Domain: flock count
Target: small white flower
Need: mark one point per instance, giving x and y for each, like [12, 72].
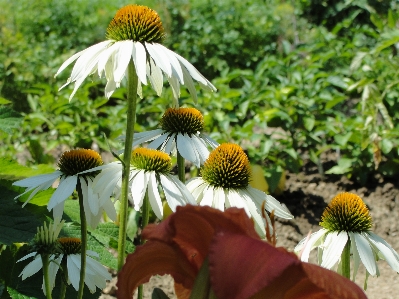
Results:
[346, 219]
[135, 34]
[181, 128]
[225, 183]
[149, 168]
[75, 167]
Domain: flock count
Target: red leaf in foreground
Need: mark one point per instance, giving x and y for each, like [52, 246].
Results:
[242, 267]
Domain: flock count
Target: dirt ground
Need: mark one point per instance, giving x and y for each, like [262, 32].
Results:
[306, 196]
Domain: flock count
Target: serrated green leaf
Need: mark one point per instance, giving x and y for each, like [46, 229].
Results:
[9, 119]
[17, 224]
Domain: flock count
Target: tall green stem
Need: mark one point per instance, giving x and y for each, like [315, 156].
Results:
[64, 278]
[131, 120]
[45, 261]
[346, 260]
[83, 229]
[181, 168]
[145, 216]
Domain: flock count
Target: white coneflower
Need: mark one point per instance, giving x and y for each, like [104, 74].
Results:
[346, 222]
[181, 129]
[135, 34]
[148, 168]
[225, 183]
[74, 168]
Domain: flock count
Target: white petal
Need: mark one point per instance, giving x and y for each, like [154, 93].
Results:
[388, 253]
[104, 58]
[159, 141]
[255, 214]
[207, 198]
[189, 84]
[64, 190]
[142, 137]
[109, 208]
[334, 244]
[170, 144]
[27, 256]
[308, 245]
[196, 186]
[122, 59]
[32, 268]
[91, 198]
[154, 73]
[272, 204]
[38, 179]
[209, 140]
[138, 188]
[161, 59]
[188, 197]
[140, 59]
[58, 210]
[365, 252]
[201, 148]
[219, 198]
[73, 265]
[174, 83]
[186, 149]
[355, 256]
[153, 196]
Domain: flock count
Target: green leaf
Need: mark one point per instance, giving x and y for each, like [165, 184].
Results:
[17, 224]
[4, 101]
[344, 166]
[11, 170]
[342, 139]
[337, 81]
[16, 295]
[386, 146]
[309, 122]
[9, 119]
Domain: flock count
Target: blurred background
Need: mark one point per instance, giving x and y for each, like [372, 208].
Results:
[299, 82]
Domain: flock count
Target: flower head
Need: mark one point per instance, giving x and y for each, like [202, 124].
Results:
[75, 168]
[346, 220]
[225, 183]
[95, 273]
[181, 129]
[148, 168]
[135, 35]
[202, 246]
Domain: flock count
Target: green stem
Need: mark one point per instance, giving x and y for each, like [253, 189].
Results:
[83, 229]
[181, 168]
[131, 120]
[45, 261]
[346, 259]
[145, 216]
[64, 279]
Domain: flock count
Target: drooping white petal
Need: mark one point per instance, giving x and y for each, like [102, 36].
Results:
[104, 59]
[109, 208]
[218, 199]
[64, 190]
[88, 196]
[207, 197]
[334, 244]
[174, 83]
[170, 144]
[160, 58]
[139, 59]
[189, 84]
[153, 196]
[387, 252]
[255, 214]
[186, 149]
[308, 245]
[38, 179]
[142, 137]
[154, 73]
[200, 146]
[365, 252]
[272, 204]
[73, 265]
[355, 255]
[209, 140]
[138, 188]
[159, 141]
[122, 59]
[33, 267]
[183, 189]
[192, 71]
[196, 186]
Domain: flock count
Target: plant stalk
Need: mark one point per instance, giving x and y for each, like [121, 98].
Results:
[181, 168]
[45, 261]
[131, 120]
[145, 216]
[346, 260]
[83, 229]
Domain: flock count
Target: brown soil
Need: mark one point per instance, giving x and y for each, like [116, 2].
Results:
[306, 196]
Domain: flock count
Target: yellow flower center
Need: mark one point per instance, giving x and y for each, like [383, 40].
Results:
[138, 23]
[182, 120]
[228, 167]
[70, 245]
[78, 160]
[346, 212]
[151, 160]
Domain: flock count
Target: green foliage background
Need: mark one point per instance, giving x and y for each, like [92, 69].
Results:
[297, 81]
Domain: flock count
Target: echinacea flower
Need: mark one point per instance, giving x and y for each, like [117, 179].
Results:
[149, 168]
[135, 35]
[214, 254]
[44, 243]
[225, 183]
[96, 274]
[181, 129]
[74, 172]
[346, 222]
